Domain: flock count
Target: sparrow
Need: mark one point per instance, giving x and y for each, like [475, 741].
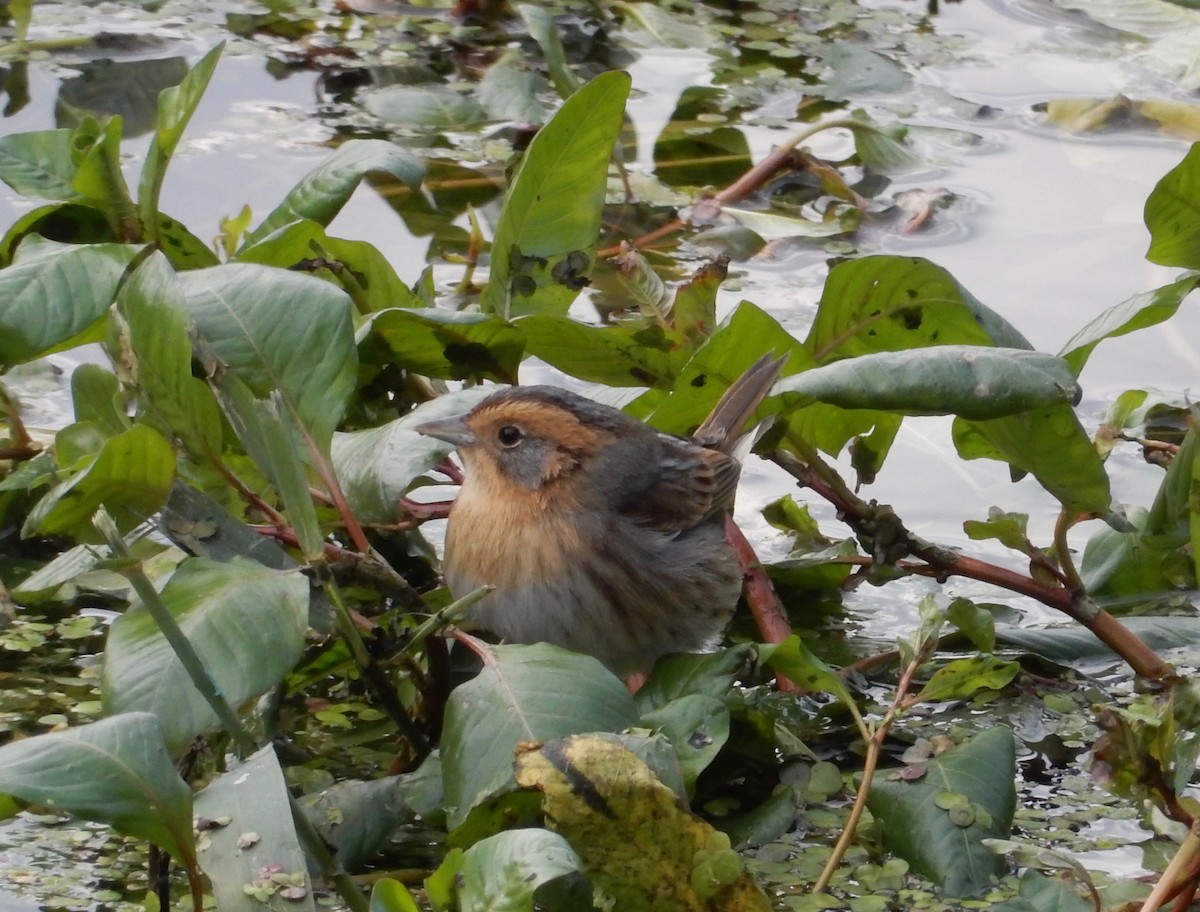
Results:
[599, 533]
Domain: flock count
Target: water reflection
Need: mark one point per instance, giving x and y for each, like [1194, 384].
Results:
[125, 88]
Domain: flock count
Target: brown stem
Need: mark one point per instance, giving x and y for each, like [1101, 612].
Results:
[19, 453]
[760, 595]
[870, 765]
[781, 157]
[942, 563]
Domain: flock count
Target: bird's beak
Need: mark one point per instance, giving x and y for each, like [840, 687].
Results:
[452, 430]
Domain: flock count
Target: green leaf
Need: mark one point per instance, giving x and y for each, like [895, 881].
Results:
[101, 182]
[618, 355]
[130, 477]
[883, 148]
[355, 266]
[1048, 443]
[39, 165]
[115, 771]
[893, 303]
[794, 659]
[96, 396]
[1052, 894]
[322, 192]
[974, 382]
[666, 27]
[1010, 529]
[450, 345]
[697, 727]
[267, 608]
[55, 294]
[504, 871]
[267, 429]
[681, 674]
[548, 227]
[975, 621]
[541, 27]
[388, 895]
[279, 330]
[425, 107]
[1138, 312]
[175, 108]
[1173, 215]
[250, 851]
[510, 88]
[524, 693]
[358, 818]
[377, 466]
[1077, 644]
[741, 339]
[156, 333]
[982, 771]
[963, 678]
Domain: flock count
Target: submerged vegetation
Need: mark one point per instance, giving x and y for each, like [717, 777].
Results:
[221, 627]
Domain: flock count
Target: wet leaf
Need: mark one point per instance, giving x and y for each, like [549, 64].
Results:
[794, 659]
[697, 727]
[256, 855]
[681, 674]
[636, 842]
[976, 382]
[357, 818]
[267, 608]
[963, 678]
[510, 88]
[855, 70]
[142, 795]
[1076, 644]
[425, 107]
[552, 208]
[524, 694]
[983, 770]
[267, 428]
[893, 303]
[742, 337]
[543, 30]
[1010, 529]
[975, 621]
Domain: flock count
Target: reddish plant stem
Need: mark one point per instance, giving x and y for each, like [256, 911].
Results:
[778, 159]
[20, 453]
[760, 594]
[942, 563]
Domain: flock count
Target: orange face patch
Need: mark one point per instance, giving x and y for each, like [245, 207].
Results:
[538, 418]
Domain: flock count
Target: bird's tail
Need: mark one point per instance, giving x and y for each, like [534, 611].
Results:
[724, 426]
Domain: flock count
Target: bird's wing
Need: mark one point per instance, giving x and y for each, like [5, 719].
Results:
[695, 482]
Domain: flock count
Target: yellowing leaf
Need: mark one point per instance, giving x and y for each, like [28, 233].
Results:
[637, 842]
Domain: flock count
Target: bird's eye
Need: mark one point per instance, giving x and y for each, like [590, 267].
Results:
[509, 435]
